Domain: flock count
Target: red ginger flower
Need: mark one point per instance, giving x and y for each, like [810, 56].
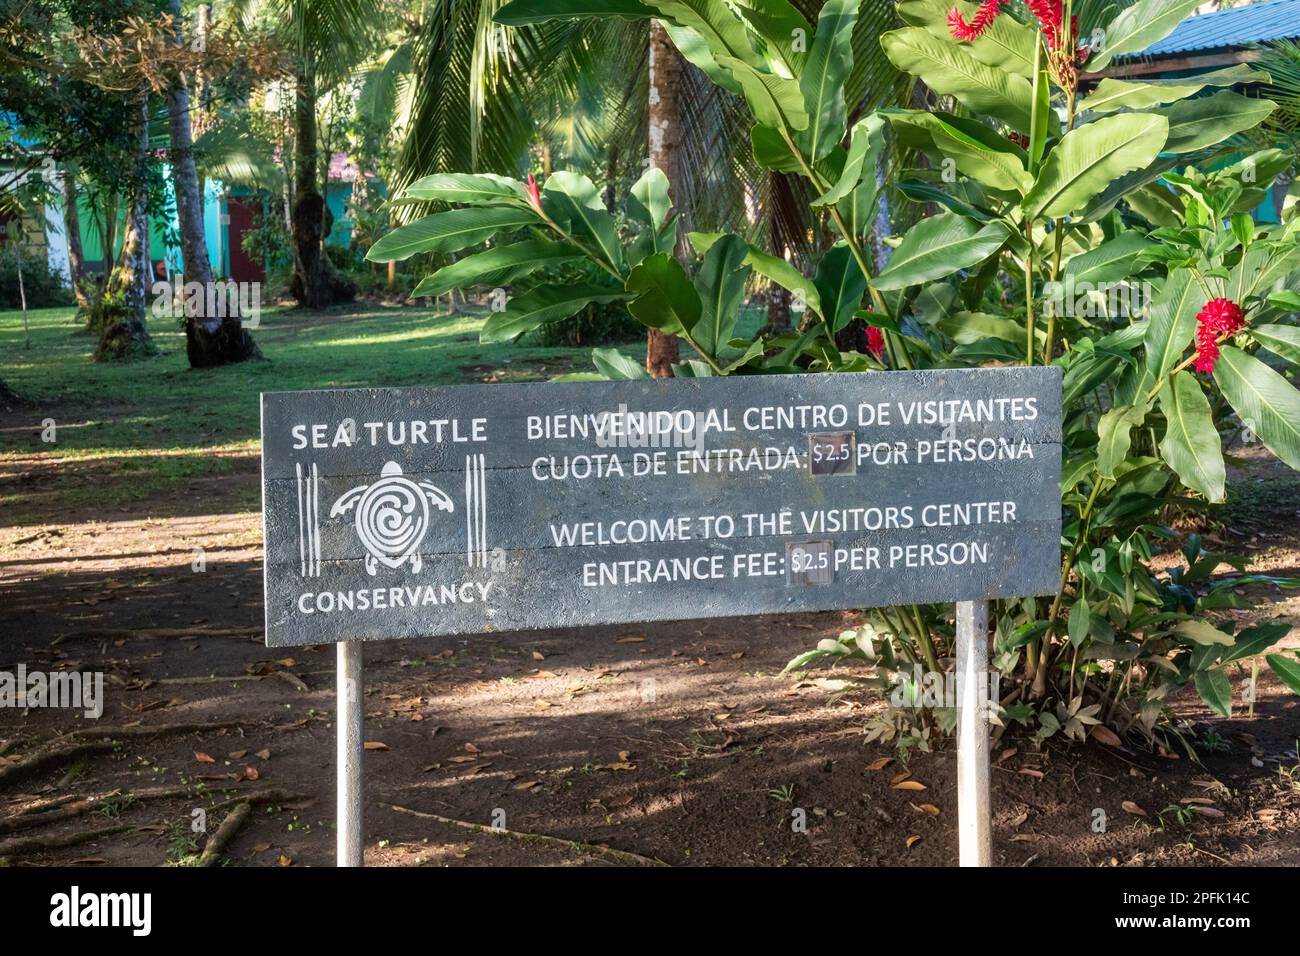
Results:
[1219, 317]
[534, 196]
[875, 341]
[961, 30]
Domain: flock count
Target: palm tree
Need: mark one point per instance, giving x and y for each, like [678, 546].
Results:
[327, 40]
[210, 340]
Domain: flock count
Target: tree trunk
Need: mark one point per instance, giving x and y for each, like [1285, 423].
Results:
[778, 299]
[72, 226]
[665, 134]
[315, 284]
[214, 329]
[123, 333]
[611, 177]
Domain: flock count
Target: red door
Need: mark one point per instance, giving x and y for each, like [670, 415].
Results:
[242, 214]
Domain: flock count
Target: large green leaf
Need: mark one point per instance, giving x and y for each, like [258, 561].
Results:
[1265, 402]
[1139, 26]
[1173, 320]
[649, 200]
[822, 79]
[665, 298]
[948, 68]
[1208, 120]
[784, 32]
[1090, 158]
[1281, 340]
[939, 246]
[1286, 669]
[1109, 262]
[1255, 640]
[775, 100]
[1114, 436]
[840, 285]
[696, 51]
[715, 23]
[1191, 444]
[616, 366]
[720, 283]
[450, 231]
[771, 150]
[572, 198]
[484, 189]
[548, 303]
[1215, 690]
[770, 267]
[1007, 44]
[978, 151]
[520, 13]
[1202, 632]
[1112, 94]
[497, 266]
[864, 151]
[966, 328]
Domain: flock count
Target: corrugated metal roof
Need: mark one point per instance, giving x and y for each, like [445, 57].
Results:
[1238, 26]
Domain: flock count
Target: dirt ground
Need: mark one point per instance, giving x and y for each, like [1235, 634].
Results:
[678, 742]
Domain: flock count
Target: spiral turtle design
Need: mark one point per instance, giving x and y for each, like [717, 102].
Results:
[392, 516]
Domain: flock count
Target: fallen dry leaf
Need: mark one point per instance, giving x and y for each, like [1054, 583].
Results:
[912, 840]
[375, 745]
[201, 757]
[880, 763]
[926, 808]
[909, 785]
[630, 639]
[264, 754]
[538, 656]
[1128, 806]
[527, 784]
[237, 754]
[1104, 735]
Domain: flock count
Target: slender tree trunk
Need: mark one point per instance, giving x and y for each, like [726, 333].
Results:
[665, 134]
[315, 284]
[214, 329]
[611, 177]
[22, 294]
[778, 299]
[123, 333]
[72, 226]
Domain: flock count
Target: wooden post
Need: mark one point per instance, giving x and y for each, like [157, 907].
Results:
[973, 825]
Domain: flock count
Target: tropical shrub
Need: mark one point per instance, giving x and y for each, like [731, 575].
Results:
[1106, 232]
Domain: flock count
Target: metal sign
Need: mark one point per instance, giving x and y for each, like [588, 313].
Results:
[392, 513]
[395, 513]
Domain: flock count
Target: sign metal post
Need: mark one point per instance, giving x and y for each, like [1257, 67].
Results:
[350, 719]
[974, 841]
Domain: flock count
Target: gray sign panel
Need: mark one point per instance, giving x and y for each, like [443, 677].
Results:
[407, 512]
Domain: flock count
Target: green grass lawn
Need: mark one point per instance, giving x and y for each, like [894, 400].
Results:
[126, 432]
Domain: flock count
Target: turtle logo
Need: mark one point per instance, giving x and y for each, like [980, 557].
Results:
[392, 517]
